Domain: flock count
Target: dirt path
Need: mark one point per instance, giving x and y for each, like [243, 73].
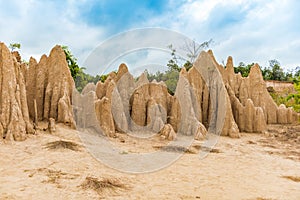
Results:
[253, 167]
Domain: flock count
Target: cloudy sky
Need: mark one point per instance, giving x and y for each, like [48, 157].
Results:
[248, 30]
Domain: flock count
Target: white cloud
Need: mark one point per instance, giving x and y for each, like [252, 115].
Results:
[249, 30]
[39, 26]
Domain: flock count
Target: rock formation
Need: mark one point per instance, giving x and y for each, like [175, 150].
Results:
[168, 132]
[14, 118]
[189, 120]
[51, 125]
[246, 113]
[51, 84]
[38, 92]
[89, 87]
[208, 99]
[212, 93]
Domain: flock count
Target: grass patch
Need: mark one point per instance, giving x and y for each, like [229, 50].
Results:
[100, 186]
[293, 178]
[62, 144]
[190, 150]
[53, 176]
[175, 149]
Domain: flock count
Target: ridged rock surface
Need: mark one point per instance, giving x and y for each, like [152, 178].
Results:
[208, 98]
[50, 83]
[14, 117]
[242, 89]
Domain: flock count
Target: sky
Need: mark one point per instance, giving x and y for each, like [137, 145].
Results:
[248, 30]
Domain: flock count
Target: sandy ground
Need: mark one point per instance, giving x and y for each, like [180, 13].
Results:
[253, 167]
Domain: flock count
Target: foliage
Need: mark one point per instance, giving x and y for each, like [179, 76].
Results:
[243, 69]
[173, 62]
[288, 99]
[273, 72]
[192, 50]
[293, 100]
[170, 76]
[72, 62]
[14, 46]
[82, 79]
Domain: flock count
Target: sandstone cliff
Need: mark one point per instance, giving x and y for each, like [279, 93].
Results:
[208, 98]
[14, 117]
[48, 83]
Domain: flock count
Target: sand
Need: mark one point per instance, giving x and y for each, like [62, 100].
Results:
[265, 166]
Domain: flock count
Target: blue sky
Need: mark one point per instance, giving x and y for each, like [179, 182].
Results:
[248, 30]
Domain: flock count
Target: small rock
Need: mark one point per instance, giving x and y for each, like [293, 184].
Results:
[51, 125]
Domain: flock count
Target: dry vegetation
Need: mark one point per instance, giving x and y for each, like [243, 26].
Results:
[103, 185]
[53, 176]
[293, 178]
[62, 144]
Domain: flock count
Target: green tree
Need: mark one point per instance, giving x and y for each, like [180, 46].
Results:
[14, 46]
[297, 71]
[243, 69]
[80, 77]
[275, 71]
[266, 73]
[293, 100]
[171, 75]
[72, 62]
[173, 62]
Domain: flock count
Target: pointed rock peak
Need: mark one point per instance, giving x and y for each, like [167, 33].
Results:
[154, 81]
[255, 72]
[32, 61]
[112, 75]
[3, 46]
[121, 72]
[255, 67]
[142, 79]
[58, 56]
[122, 69]
[43, 58]
[205, 62]
[210, 52]
[183, 71]
[56, 50]
[4, 49]
[17, 55]
[229, 64]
